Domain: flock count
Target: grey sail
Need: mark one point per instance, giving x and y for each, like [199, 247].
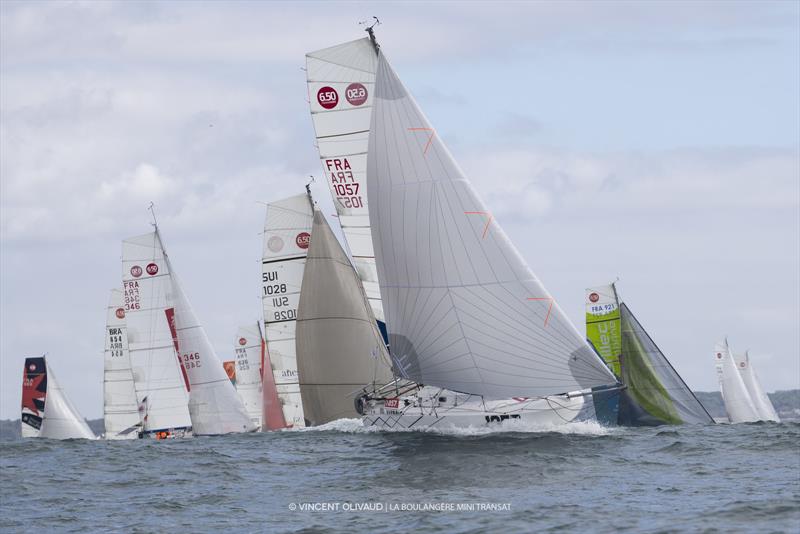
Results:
[656, 394]
[463, 309]
[339, 347]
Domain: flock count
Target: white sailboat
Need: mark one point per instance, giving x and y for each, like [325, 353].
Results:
[249, 347]
[287, 235]
[737, 400]
[120, 407]
[160, 381]
[46, 410]
[339, 347]
[215, 407]
[762, 404]
[466, 316]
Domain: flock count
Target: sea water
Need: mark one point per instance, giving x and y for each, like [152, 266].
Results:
[579, 477]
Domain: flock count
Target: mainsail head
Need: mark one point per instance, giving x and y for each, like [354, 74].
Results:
[464, 310]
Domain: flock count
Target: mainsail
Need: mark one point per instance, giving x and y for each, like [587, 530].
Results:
[463, 309]
[46, 410]
[341, 86]
[734, 393]
[760, 400]
[655, 393]
[214, 406]
[120, 407]
[160, 381]
[249, 347]
[339, 347]
[287, 235]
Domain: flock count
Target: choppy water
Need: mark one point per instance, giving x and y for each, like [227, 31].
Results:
[581, 477]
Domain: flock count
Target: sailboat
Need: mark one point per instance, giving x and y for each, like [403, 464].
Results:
[120, 408]
[249, 347]
[655, 393]
[46, 410]
[287, 236]
[161, 383]
[339, 346]
[762, 404]
[737, 400]
[465, 315]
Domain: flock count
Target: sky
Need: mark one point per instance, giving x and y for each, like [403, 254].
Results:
[654, 142]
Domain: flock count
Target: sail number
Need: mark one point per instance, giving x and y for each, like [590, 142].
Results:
[115, 346]
[276, 291]
[345, 186]
[191, 360]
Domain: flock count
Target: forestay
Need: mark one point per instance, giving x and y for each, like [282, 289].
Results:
[463, 309]
[734, 393]
[341, 86]
[46, 410]
[160, 382]
[760, 400]
[339, 347]
[214, 406]
[120, 407]
[287, 235]
[249, 349]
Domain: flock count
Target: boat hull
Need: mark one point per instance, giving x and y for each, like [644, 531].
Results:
[436, 408]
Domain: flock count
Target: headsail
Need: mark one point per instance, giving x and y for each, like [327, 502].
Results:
[734, 393]
[760, 400]
[249, 348]
[46, 410]
[341, 86]
[287, 235]
[120, 407]
[160, 381]
[214, 406]
[464, 310]
[339, 347]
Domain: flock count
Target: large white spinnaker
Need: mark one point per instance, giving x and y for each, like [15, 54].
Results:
[341, 86]
[214, 406]
[249, 347]
[160, 381]
[120, 407]
[760, 400]
[287, 235]
[734, 393]
[46, 410]
[463, 309]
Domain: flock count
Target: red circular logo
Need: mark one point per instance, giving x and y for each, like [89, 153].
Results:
[32, 367]
[151, 268]
[120, 313]
[303, 239]
[719, 355]
[356, 94]
[328, 97]
[742, 365]
[136, 271]
[242, 341]
[594, 297]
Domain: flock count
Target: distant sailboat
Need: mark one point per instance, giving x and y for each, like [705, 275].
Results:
[46, 410]
[655, 393]
[287, 235]
[249, 346]
[339, 346]
[737, 400]
[161, 382]
[465, 314]
[120, 407]
[762, 404]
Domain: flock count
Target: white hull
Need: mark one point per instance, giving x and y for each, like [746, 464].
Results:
[434, 407]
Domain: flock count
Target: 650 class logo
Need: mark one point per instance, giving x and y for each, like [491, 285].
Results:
[303, 239]
[327, 97]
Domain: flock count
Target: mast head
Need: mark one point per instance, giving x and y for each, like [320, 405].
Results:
[371, 31]
[308, 192]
